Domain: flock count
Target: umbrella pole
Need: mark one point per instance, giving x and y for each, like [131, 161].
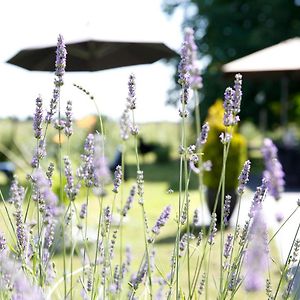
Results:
[284, 101]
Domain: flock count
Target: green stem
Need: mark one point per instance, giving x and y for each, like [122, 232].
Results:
[97, 244]
[286, 262]
[274, 235]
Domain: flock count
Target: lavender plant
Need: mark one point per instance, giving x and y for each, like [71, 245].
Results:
[104, 269]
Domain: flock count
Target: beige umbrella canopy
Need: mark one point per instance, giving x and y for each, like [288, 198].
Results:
[280, 60]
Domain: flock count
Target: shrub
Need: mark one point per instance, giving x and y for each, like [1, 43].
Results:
[213, 151]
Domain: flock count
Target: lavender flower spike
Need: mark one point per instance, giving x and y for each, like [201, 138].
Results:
[244, 177]
[38, 117]
[118, 179]
[161, 221]
[273, 169]
[131, 99]
[236, 103]
[256, 258]
[68, 129]
[196, 79]
[203, 135]
[60, 63]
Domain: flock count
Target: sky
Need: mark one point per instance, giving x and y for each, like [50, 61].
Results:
[33, 23]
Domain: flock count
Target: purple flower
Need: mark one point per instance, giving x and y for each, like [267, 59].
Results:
[140, 185]
[86, 171]
[184, 66]
[68, 129]
[203, 135]
[131, 99]
[196, 217]
[101, 167]
[213, 230]
[237, 98]
[183, 242]
[70, 188]
[232, 102]
[42, 192]
[192, 163]
[83, 211]
[3, 244]
[256, 258]
[225, 137]
[40, 153]
[244, 177]
[118, 179]
[49, 172]
[258, 198]
[162, 220]
[228, 245]
[38, 118]
[227, 209]
[273, 169]
[129, 201]
[23, 289]
[17, 197]
[125, 125]
[60, 63]
[16, 192]
[195, 80]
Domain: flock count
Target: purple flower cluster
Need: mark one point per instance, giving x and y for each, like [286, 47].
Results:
[38, 118]
[131, 99]
[49, 172]
[191, 57]
[129, 201]
[71, 188]
[213, 229]
[48, 204]
[201, 140]
[244, 177]
[118, 179]
[60, 65]
[258, 198]
[227, 209]
[162, 220]
[17, 197]
[101, 167]
[273, 169]
[3, 244]
[86, 171]
[40, 153]
[228, 245]
[68, 128]
[232, 102]
[125, 125]
[256, 257]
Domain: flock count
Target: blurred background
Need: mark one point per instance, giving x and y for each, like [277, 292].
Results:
[224, 31]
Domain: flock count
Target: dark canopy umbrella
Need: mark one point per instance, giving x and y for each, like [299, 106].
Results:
[93, 55]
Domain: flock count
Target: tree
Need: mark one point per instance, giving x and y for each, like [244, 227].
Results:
[227, 30]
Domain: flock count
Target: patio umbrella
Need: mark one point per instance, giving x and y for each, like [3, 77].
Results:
[277, 60]
[94, 55]
[280, 60]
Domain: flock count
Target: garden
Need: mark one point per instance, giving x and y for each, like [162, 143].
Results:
[90, 213]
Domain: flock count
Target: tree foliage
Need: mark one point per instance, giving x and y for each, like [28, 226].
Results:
[227, 30]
